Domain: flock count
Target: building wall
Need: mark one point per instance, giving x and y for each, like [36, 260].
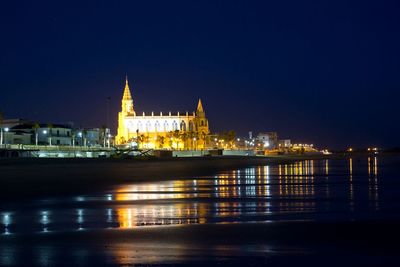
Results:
[58, 136]
[13, 138]
[157, 124]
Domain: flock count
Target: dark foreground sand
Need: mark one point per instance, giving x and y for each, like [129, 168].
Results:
[29, 177]
[268, 244]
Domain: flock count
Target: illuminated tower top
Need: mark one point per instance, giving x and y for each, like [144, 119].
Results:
[127, 101]
[127, 92]
[200, 110]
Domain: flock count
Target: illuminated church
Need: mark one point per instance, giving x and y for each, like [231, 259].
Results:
[174, 131]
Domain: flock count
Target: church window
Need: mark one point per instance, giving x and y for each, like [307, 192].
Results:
[183, 126]
[148, 126]
[166, 126]
[174, 126]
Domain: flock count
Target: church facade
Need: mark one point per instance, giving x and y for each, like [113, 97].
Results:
[161, 131]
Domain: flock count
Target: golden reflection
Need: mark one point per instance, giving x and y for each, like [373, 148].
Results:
[290, 181]
[301, 183]
[373, 188]
[167, 190]
[327, 167]
[179, 213]
[351, 184]
[369, 166]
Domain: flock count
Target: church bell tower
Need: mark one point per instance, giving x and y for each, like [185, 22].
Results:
[127, 109]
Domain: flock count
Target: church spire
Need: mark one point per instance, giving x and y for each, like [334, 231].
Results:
[127, 101]
[127, 91]
[200, 106]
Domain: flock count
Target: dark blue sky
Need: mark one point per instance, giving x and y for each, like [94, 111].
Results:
[326, 72]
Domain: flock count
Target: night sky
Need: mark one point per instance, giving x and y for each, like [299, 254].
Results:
[326, 72]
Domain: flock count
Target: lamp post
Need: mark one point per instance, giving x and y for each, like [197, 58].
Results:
[45, 132]
[5, 135]
[80, 136]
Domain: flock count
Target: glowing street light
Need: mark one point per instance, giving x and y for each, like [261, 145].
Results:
[3, 136]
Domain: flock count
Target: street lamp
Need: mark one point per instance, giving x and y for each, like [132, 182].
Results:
[80, 136]
[3, 135]
[45, 133]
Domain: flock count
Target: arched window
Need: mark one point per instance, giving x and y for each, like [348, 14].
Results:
[148, 126]
[157, 126]
[191, 126]
[183, 126]
[166, 126]
[174, 126]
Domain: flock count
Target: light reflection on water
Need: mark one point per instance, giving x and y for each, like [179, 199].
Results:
[304, 190]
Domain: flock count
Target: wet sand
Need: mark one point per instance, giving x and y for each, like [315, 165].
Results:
[200, 212]
[46, 177]
[247, 244]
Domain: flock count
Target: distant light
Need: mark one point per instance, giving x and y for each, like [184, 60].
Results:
[350, 149]
[80, 134]
[6, 129]
[6, 219]
[266, 144]
[238, 139]
[44, 132]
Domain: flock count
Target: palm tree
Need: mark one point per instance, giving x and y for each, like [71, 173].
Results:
[140, 140]
[103, 134]
[50, 126]
[146, 140]
[73, 135]
[231, 137]
[84, 135]
[170, 136]
[184, 137]
[160, 141]
[35, 128]
[176, 136]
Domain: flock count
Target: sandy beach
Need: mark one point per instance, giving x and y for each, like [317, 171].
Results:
[274, 211]
[31, 177]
